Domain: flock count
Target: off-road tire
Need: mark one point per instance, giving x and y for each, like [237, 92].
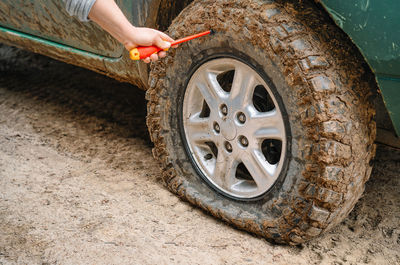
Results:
[326, 89]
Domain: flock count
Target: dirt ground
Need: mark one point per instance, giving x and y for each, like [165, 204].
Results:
[78, 185]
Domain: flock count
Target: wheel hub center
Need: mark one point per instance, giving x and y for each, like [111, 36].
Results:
[228, 129]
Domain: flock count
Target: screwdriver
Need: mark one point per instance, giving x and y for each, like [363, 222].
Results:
[143, 52]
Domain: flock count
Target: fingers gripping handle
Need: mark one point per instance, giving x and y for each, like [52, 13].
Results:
[143, 52]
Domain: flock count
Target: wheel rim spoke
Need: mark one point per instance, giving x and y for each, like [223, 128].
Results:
[243, 86]
[260, 170]
[266, 125]
[196, 123]
[210, 89]
[199, 129]
[224, 170]
[200, 138]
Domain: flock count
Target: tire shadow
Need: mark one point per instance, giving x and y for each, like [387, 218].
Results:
[79, 90]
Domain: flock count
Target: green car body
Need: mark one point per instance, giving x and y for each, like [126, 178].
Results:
[374, 27]
[44, 27]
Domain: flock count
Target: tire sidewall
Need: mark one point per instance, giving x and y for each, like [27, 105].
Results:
[186, 60]
[325, 90]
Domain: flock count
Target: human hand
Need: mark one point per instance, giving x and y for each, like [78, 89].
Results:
[148, 37]
[109, 16]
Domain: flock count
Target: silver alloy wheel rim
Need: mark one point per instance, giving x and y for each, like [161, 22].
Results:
[220, 143]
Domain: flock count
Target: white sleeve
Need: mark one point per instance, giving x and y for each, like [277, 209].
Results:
[79, 8]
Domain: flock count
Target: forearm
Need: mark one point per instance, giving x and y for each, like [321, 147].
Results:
[109, 16]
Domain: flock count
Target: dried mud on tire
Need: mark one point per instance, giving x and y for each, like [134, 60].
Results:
[327, 90]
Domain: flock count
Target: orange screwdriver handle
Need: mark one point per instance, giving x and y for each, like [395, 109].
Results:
[143, 52]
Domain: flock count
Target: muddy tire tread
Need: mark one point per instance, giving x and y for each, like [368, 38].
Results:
[329, 186]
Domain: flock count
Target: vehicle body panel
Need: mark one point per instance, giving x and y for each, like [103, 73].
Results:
[67, 39]
[122, 69]
[374, 27]
[49, 20]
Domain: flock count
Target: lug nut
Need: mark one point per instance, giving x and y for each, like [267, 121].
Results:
[228, 147]
[208, 156]
[243, 141]
[241, 117]
[224, 110]
[217, 129]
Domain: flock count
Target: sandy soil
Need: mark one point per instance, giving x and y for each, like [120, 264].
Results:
[78, 185]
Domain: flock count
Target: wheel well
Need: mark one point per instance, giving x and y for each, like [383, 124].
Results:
[386, 133]
[169, 10]
[345, 37]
